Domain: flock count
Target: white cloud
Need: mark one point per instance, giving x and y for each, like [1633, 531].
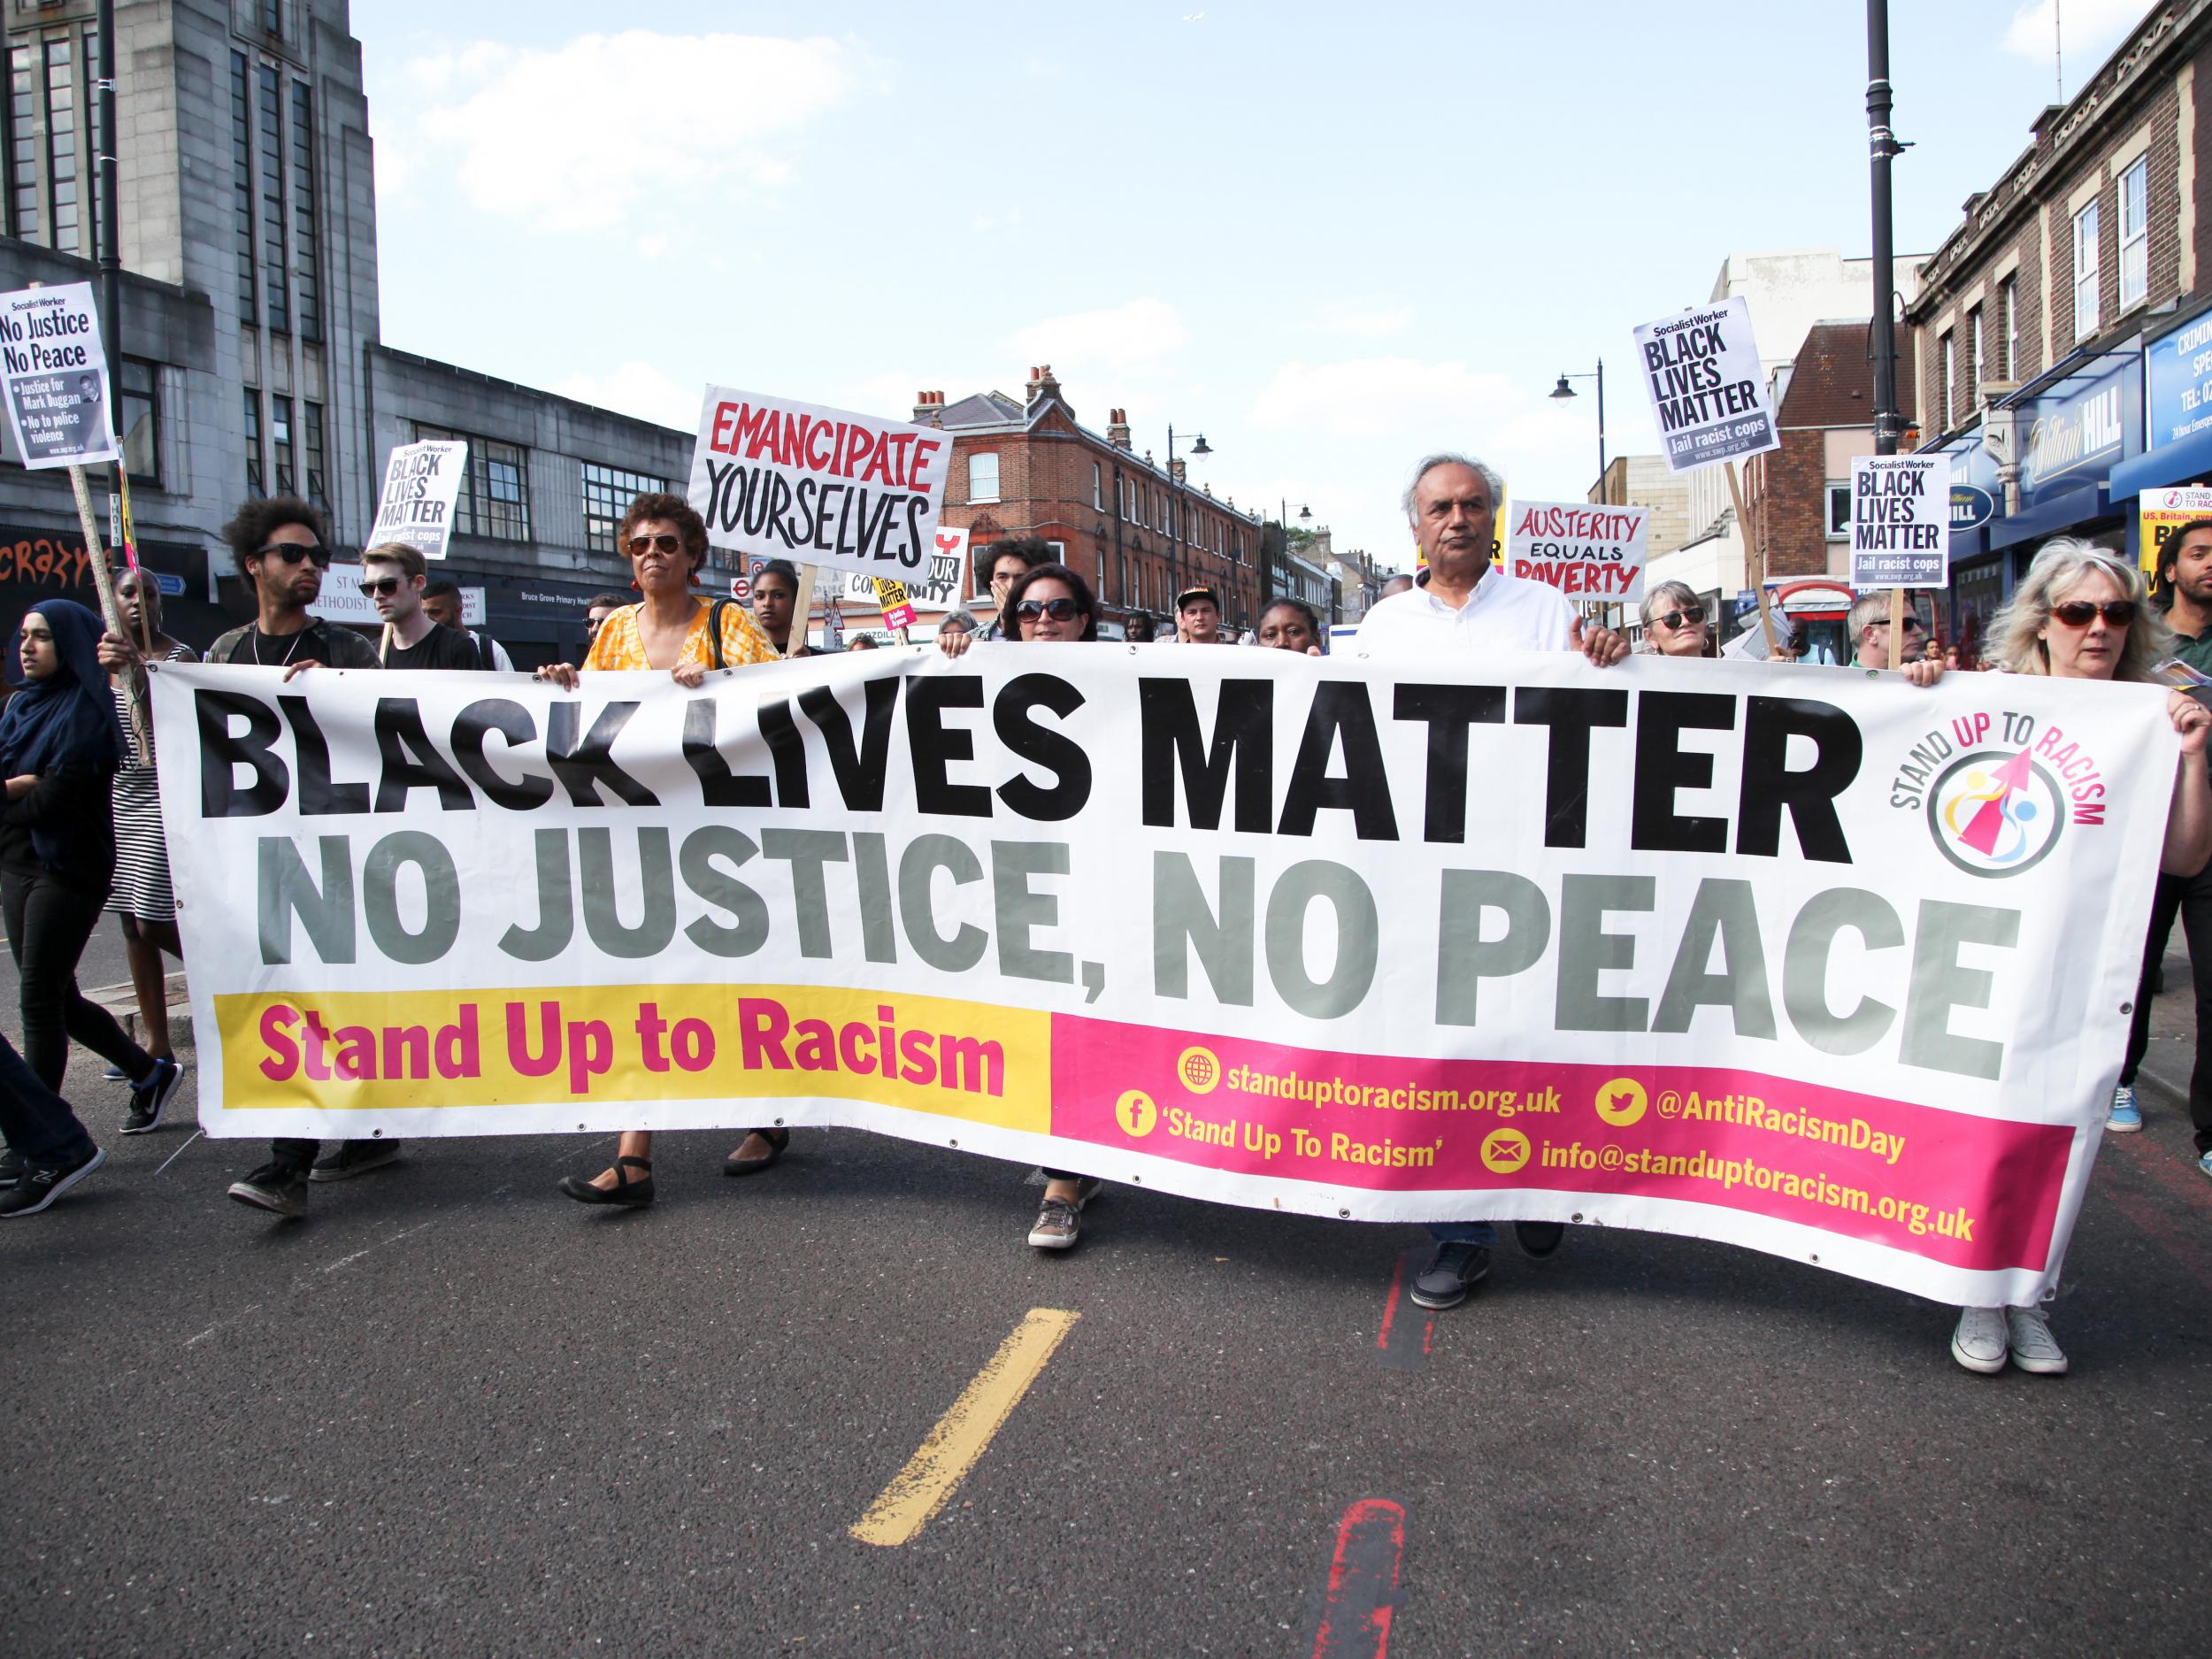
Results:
[1126, 339]
[1370, 396]
[2093, 27]
[639, 390]
[1368, 320]
[579, 137]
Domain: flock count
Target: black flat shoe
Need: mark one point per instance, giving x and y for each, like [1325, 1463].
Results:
[777, 1140]
[631, 1194]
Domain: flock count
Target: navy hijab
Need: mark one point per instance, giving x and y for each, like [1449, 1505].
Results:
[66, 721]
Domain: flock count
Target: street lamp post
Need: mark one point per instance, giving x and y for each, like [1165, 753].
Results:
[1564, 390]
[1175, 509]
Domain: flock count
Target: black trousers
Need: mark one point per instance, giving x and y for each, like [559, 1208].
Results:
[2189, 897]
[47, 921]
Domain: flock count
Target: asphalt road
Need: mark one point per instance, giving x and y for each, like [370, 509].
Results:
[453, 1413]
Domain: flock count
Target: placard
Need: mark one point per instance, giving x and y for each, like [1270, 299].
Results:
[1587, 551]
[947, 582]
[824, 487]
[2160, 512]
[422, 482]
[55, 372]
[1708, 390]
[1900, 521]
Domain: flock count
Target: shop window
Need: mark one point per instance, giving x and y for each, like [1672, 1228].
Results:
[983, 478]
[2135, 235]
[2086, 272]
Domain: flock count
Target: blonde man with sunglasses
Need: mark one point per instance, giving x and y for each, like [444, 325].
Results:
[393, 577]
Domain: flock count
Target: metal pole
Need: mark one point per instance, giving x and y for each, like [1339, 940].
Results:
[110, 227]
[1601, 429]
[1882, 146]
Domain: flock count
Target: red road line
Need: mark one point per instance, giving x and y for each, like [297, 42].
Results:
[1401, 1356]
[1363, 1582]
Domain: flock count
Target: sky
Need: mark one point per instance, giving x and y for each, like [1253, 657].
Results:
[1329, 238]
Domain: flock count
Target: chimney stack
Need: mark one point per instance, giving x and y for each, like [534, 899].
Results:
[927, 407]
[1118, 427]
[1041, 383]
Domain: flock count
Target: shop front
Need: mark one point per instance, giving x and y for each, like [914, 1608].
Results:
[36, 564]
[1818, 608]
[2177, 399]
[2075, 427]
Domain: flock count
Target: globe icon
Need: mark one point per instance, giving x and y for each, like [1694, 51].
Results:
[1199, 1069]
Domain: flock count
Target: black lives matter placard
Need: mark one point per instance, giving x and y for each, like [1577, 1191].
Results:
[1900, 521]
[55, 375]
[1702, 370]
[785, 479]
[422, 482]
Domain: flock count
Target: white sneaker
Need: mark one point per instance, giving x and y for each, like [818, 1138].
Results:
[1980, 1342]
[2033, 1346]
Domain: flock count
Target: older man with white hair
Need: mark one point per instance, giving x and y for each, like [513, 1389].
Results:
[1468, 605]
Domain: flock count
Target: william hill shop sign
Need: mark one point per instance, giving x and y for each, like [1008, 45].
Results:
[2075, 440]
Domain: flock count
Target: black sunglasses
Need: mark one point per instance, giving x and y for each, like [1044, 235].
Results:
[382, 587]
[1688, 613]
[1058, 610]
[292, 553]
[2079, 613]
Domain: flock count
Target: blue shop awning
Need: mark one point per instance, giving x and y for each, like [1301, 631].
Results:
[2169, 464]
[2049, 517]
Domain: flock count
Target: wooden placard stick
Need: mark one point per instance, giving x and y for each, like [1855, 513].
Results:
[1755, 562]
[802, 611]
[111, 613]
[1896, 628]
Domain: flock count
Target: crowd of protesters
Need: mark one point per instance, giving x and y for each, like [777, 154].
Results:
[80, 828]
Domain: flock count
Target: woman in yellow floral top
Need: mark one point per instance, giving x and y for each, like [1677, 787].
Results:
[668, 629]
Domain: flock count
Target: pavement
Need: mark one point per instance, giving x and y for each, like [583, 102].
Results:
[453, 1413]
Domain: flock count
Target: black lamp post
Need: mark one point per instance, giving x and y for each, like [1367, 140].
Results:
[1175, 510]
[1564, 390]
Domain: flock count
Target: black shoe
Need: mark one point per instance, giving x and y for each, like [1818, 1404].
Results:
[149, 1100]
[778, 1140]
[11, 1169]
[634, 1195]
[42, 1184]
[1456, 1268]
[1539, 1240]
[279, 1188]
[355, 1158]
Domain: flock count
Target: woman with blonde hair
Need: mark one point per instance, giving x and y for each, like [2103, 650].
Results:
[2079, 614]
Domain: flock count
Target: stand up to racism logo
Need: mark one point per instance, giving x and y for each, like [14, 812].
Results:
[1996, 812]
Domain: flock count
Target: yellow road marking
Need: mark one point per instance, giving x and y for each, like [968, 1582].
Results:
[964, 1433]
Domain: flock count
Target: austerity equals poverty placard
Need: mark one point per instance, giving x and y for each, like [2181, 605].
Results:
[55, 375]
[787, 479]
[1702, 370]
[1586, 552]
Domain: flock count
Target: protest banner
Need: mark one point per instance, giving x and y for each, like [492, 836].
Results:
[822, 487]
[2160, 512]
[1586, 552]
[1708, 393]
[1839, 970]
[422, 482]
[56, 375]
[1900, 521]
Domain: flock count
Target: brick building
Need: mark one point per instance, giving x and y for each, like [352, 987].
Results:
[1139, 533]
[2037, 316]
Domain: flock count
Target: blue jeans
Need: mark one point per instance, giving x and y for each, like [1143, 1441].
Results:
[1462, 1232]
[35, 1122]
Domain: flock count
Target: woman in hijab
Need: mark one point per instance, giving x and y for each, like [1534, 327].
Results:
[59, 749]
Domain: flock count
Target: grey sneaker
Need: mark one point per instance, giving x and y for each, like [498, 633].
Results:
[2034, 1349]
[1981, 1340]
[279, 1188]
[1060, 1220]
[1456, 1268]
[355, 1158]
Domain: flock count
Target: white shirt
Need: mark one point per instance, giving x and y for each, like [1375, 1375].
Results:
[1504, 613]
